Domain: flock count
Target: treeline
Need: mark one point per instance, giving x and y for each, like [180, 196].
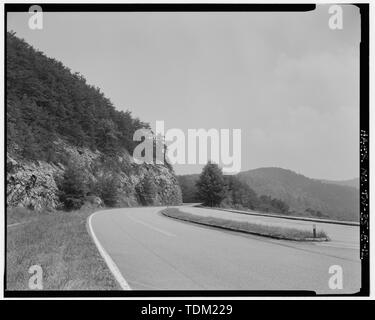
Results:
[45, 101]
[214, 189]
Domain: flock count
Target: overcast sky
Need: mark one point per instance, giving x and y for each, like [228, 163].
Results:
[286, 79]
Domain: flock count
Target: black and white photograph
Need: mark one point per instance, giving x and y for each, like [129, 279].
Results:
[186, 149]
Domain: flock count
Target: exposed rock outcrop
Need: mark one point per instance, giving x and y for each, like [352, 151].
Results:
[35, 184]
[32, 184]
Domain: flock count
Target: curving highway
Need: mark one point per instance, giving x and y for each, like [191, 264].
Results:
[154, 252]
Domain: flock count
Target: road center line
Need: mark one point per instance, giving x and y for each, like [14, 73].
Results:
[152, 227]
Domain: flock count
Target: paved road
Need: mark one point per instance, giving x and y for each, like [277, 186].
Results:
[156, 252]
[342, 236]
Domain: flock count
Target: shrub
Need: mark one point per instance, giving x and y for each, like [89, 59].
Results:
[240, 194]
[146, 191]
[107, 189]
[72, 186]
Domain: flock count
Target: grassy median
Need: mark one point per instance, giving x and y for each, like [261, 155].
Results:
[252, 228]
[58, 242]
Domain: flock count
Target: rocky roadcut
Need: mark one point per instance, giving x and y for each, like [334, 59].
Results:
[34, 184]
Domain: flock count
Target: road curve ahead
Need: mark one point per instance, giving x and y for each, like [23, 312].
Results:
[154, 252]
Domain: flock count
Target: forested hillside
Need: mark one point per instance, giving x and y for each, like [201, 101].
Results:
[304, 195]
[66, 142]
[45, 100]
[349, 183]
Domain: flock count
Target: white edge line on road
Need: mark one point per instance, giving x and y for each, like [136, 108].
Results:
[110, 263]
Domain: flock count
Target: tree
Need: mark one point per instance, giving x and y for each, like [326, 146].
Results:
[72, 186]
[211, 185]
[239, 194]
[188, 188]
[270, 204]
[280, 206]
[107, 189]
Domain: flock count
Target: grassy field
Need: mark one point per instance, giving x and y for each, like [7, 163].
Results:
[253, 228]
[58, 242]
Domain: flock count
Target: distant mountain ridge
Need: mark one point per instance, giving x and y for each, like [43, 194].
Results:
[350, 182]
[304, 194]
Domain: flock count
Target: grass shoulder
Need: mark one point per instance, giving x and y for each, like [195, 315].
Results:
[59, 242]
[252, 228]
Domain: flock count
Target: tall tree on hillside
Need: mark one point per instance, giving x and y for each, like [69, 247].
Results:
[211, 185]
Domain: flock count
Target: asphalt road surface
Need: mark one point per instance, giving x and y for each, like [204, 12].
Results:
[154, 252]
